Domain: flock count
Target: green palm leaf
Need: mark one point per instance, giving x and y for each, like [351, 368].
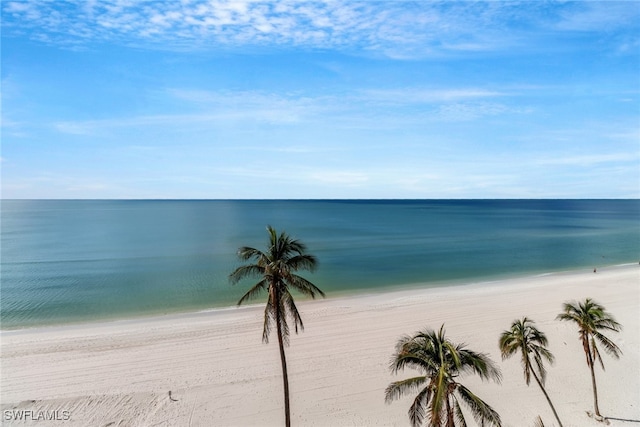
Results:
[417, 411]
[290, 306]
[609, 346]
[397, 389]
[441, 362]
[257, 289]
[304, 286]
[480, 410]
[245, 272]
[459, 415]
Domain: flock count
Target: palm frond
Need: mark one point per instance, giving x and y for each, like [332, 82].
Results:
[304, 286]
[398, 361]
[246, 253]
[417, 410]
[544, 353]
[254, 291]
[273, 236]
[595, 353]
[535, 335]
[397, 389]
[412, 359]
[458, 414]
[509, 344]
[609, 346]
[292, 310]
[608, 323]
[540, 365]
[480, 364]
[480, 410]
[282, 320]
[570, 312]
[294, 245]
[269, 316]
[246, 271]
[303, 262]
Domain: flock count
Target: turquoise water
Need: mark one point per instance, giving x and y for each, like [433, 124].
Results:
[74, 260]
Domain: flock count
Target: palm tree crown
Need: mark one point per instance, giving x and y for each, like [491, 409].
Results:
[591, 318]
[525, 338]
[531, 343]
[440, 394]
[276, 269]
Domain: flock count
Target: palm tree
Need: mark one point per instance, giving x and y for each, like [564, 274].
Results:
[440, 394]
[525, 338]
[592, 318]
[276, 269]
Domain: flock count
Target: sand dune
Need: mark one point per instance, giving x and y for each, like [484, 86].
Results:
[220, 374]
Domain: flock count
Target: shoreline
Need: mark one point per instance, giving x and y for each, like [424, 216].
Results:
[220, 373]
[390, 289]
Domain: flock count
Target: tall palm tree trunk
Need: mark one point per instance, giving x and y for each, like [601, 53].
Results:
[283, 360]
[593, 383]
[547, 396]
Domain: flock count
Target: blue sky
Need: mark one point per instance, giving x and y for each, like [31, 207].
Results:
[370, 99]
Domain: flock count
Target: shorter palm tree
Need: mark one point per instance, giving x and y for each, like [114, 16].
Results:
[592, 318]
[439, 393]
[525, 338]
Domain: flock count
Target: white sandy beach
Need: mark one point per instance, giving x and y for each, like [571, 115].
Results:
[221, 374]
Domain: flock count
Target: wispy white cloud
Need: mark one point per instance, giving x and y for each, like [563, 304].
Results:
[598, 15]
[421, 96]
[288, 149]
[471, 111]
[288, 105]
[267, 115]
[13, 128]
[345, 109]
[392, 28]
[591, 159]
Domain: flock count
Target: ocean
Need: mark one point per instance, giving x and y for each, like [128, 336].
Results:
[66, 261]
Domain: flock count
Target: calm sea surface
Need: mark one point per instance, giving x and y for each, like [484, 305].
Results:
[73, 261]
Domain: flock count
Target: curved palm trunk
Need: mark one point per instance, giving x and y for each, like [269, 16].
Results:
[547, 396]
[283, 360]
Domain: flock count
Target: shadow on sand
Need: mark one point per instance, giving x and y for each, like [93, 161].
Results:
[622, 419]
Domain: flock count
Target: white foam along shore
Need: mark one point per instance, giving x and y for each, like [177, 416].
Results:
[220, 373]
